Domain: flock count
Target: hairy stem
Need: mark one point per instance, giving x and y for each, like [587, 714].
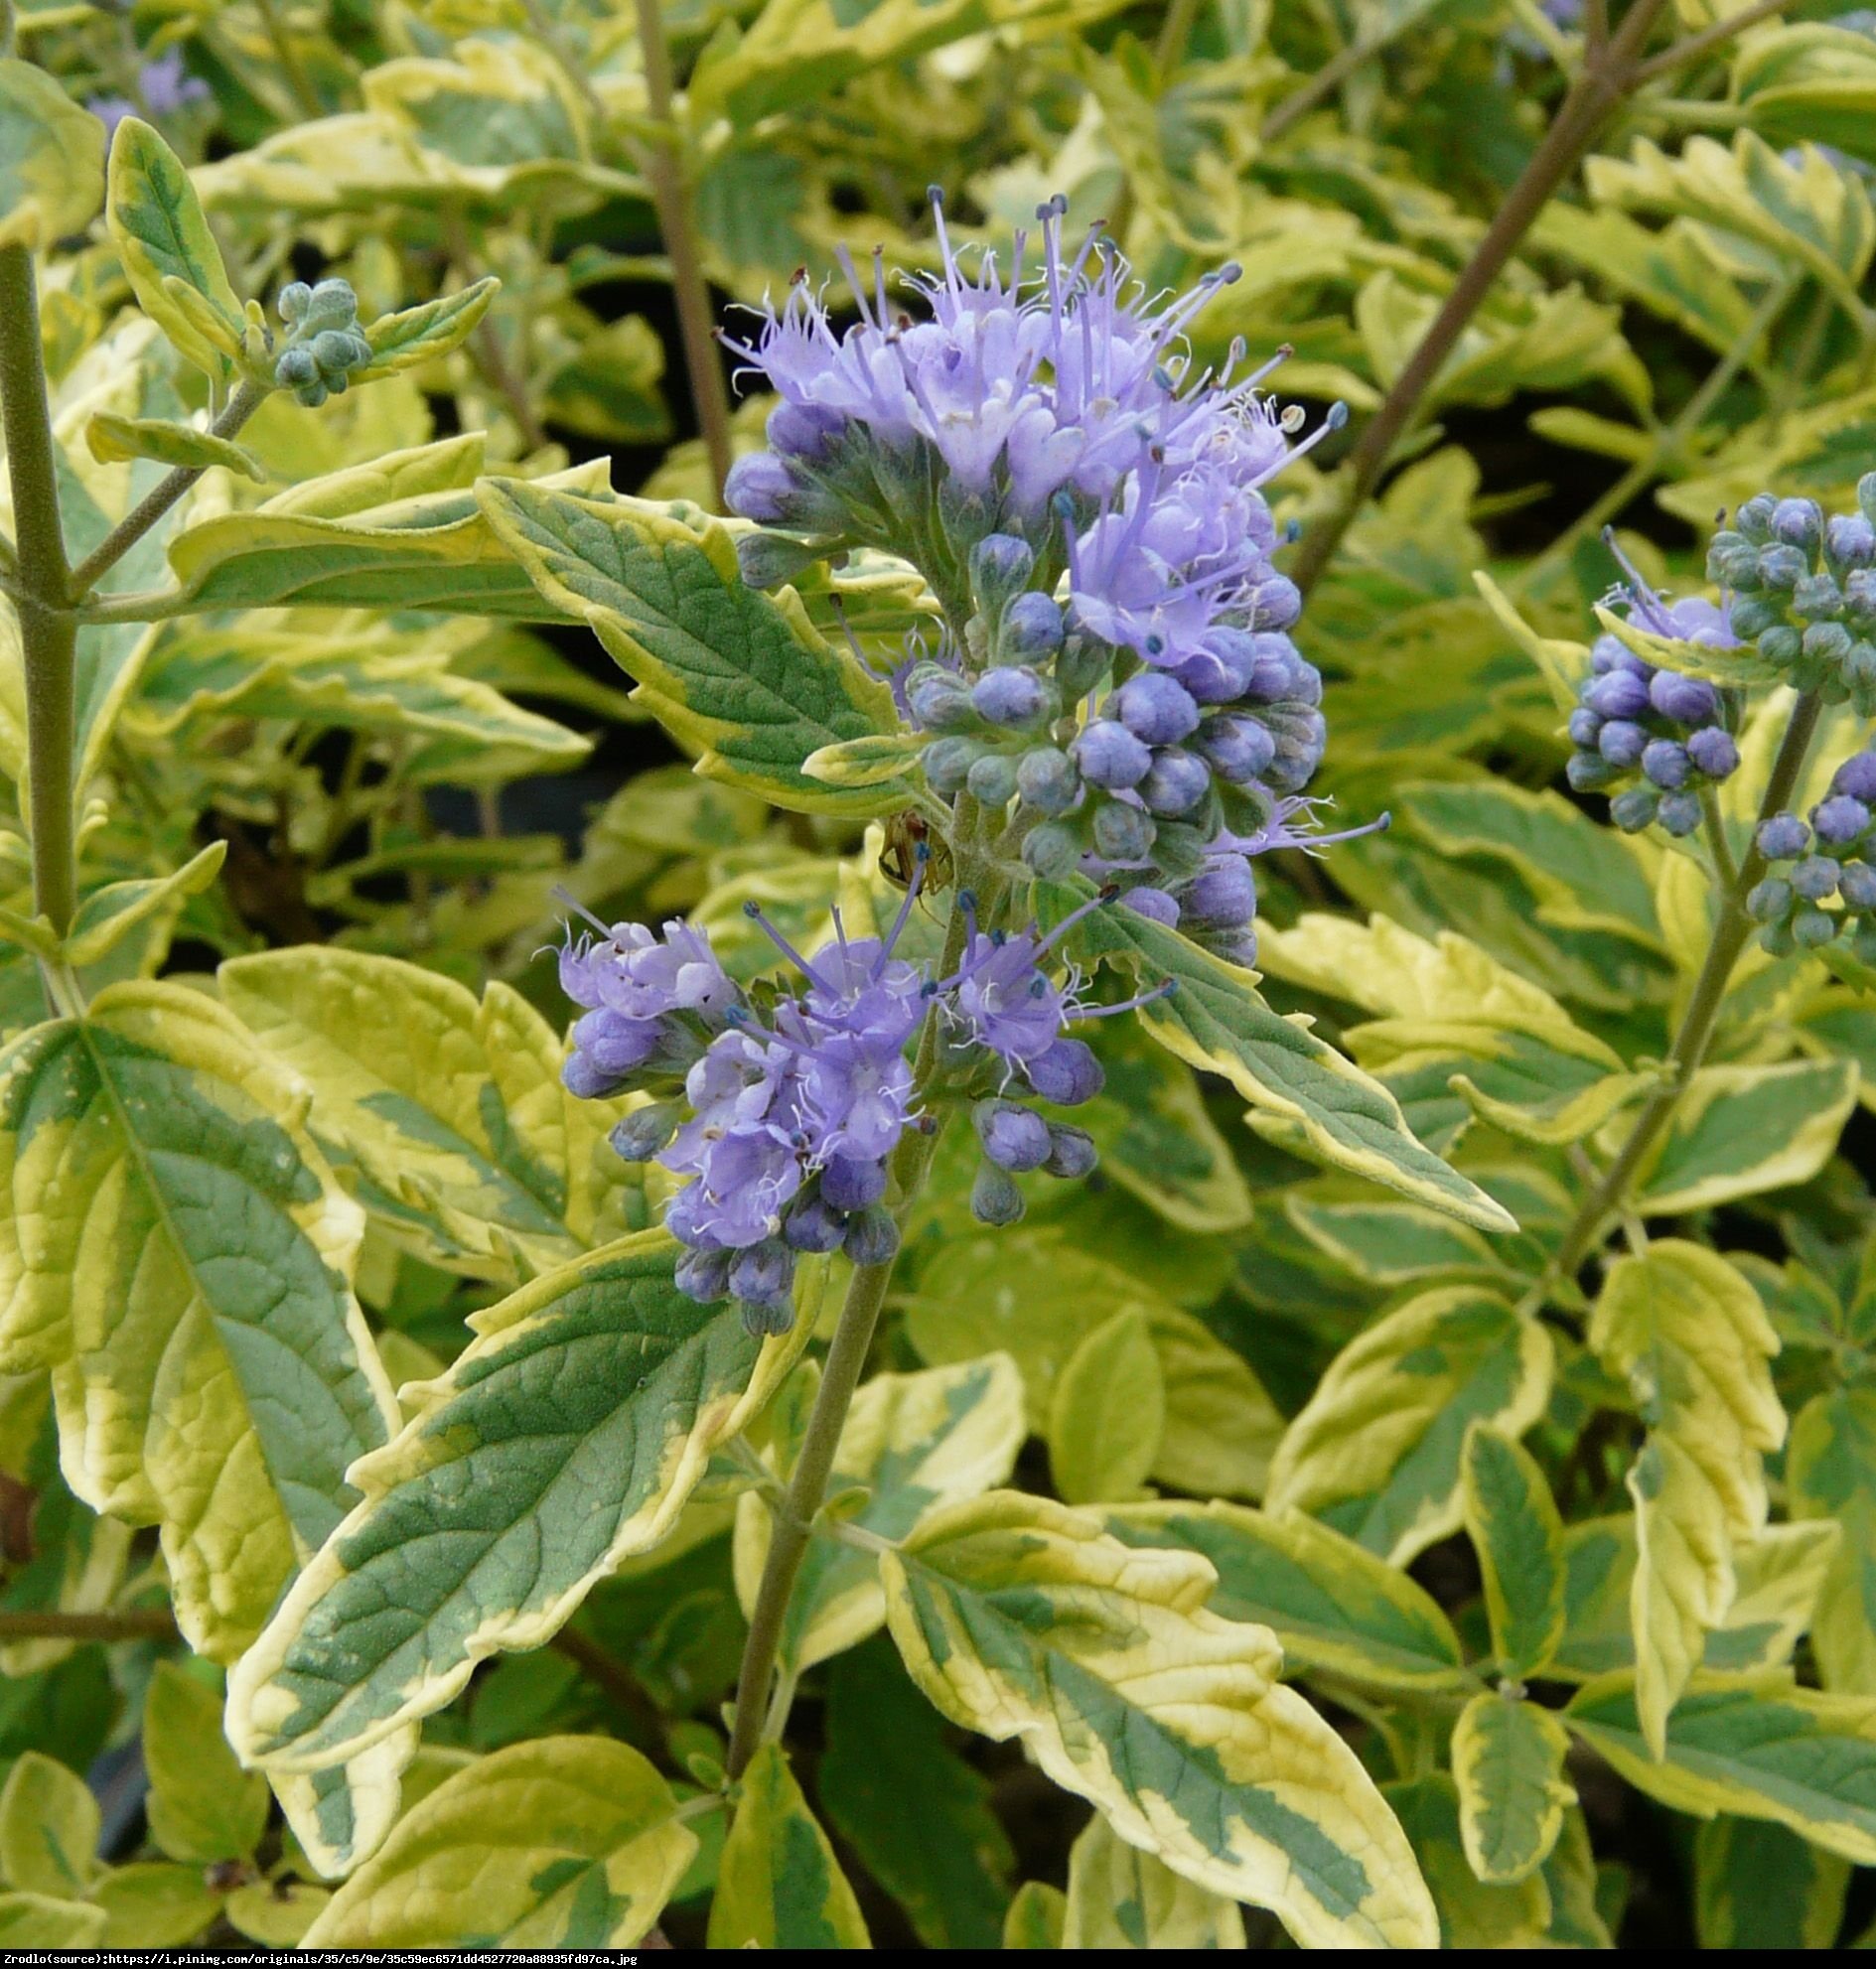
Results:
[1607, 78]
[161, 497]
[791, 1526]
[47, 632]
[667, 178]
[1731, 930]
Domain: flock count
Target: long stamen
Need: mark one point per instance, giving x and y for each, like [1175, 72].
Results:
[568, 901]
[921, 855]
[1164, 989]
[1643, 598]
[1073, 917]
[754, 912]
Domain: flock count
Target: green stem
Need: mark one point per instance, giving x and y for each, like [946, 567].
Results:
[670, 196]
[1731, 930]
[1175, 31]
[791, 1527]
[1608, 77]
[161, 497]
[47, 632]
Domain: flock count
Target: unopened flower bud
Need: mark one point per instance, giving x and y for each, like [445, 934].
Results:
[761, 487]
[803, 430]
[1768, 900]
[1839, 819]
[1047, 781]
[1013, 1137]
[1619, 694]
[850, 1184]
[1851, 540]
[1032, 629]
[1050, 850]
[703, 1276]
[1817, 598]
[1621, 743]
[992, 779]
[764, 1275]
[1585, 727]
[1857, 778]
[1666, 764]
[1155, 708]
[1783, 567]
[872, 1236]
[1065, 1073]
[1634, 811]
[1752, 617]
[1011, 696]
[1072, 1153]
[1754, 519]
[1814, 877]
[1276, 603]
[1858, 885]
[1679, 813]
[1108, 755]
[994, 1197]
[1686, 700]
[1224, 896]
[1176, 781]
[1783, 837]
[1813, 929]
[815, 1226]
[939, 699]
[1798, 523]
[296, 368]
[947, 762]
[1713, 751]
[1779, 645]
[1000, 565]
[646, 1130]
[1590, 773]
[1155, 905]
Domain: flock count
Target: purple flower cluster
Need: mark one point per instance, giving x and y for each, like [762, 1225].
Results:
[1803, 591]
[1834, 858]
[1634, 719]
[783, 1115]
[1088, 506]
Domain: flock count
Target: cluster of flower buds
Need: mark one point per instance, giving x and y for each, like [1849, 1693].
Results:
[323, 346]
[783, 1109]
[1089, 509]
[1637, 723]
[1832, 859]
[1803, 589]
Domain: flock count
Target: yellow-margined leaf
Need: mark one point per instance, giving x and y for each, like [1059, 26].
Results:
[203, 1807]
[1334, 1605]
[341, 1814]
[48, 1829]
[879, 759]
[161, 233]
[1778, 1580]
[1813, 82]
[1108, 1413]
[113, 439]
[1736, 668]
[1375, 1451]
[1515, 1527]
[1507, 1765]
[779, 1885]
[743, 676]
[51, 170]
[561, 1842]
[1577, 1918]
[276, 1913]
[916, 1442]
[109, 915]
[1473, 1913]
[1687, 1335]
[1756, 1745]
[1020, 1618]
[1122, 1898]
[565, 1438]
[471, 1150]
[418, 334]
[1216, 1021]
[1742, 1130]
[176, 1250]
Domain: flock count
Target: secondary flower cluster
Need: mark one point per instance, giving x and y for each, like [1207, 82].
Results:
[325, 346]
[783, 1108]
[1805, 591]
[1834, 858]
[1632, 717]
[1088, 508]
